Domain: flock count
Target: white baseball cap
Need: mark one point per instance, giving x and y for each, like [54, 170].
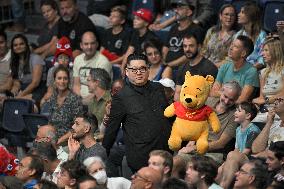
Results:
[166, 82]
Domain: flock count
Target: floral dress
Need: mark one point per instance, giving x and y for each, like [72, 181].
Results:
[62, 117]
[214, 48]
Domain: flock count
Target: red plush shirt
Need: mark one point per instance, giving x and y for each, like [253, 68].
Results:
[200, 114]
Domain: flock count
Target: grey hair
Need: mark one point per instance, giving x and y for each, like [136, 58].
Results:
[90, 160]
[102, 76]
[233, 85]
[52, 136]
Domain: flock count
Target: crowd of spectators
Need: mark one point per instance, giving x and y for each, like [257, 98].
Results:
[104, 79]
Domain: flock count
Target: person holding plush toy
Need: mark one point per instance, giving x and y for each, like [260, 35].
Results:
[139, 107]
[193, 116]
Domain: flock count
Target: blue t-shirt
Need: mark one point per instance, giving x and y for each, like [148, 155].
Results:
[247, 75]
[244, 139]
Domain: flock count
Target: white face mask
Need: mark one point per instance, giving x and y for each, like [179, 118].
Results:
[100, 176]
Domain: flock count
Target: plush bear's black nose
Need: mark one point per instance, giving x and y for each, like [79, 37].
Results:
[188, 100]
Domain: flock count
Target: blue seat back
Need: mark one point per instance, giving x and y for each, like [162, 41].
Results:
[33, 122]
[273, 11]
[13, 109]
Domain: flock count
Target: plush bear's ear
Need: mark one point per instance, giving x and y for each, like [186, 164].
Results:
[210, 79]
[187, 75]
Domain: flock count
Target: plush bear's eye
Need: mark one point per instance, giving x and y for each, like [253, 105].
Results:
[196, 96]
[184, 87]
[183, 94]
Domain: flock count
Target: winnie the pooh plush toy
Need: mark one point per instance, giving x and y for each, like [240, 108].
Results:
[193, 116]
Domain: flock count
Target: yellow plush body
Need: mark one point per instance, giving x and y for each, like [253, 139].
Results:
[193, 117]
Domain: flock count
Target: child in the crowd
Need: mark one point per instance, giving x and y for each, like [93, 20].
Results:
[247, 131]
[63, 56]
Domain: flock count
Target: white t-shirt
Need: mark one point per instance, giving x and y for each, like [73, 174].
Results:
[118, 183]
[276, 132]
[82, 68]
[273, 84]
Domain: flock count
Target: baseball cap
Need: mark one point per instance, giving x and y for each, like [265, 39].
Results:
[166, 82]
[145, 14]
[183, 2]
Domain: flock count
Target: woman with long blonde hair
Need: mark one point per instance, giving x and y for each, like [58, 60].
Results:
[271, 77]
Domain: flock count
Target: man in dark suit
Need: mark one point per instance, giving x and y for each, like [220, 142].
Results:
[139, 106]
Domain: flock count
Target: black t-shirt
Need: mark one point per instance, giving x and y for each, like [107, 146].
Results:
[204, 67]
[47, 34]
[138, 42]
[75, 30]
[117, 43]
[175, 39]
[102, 6]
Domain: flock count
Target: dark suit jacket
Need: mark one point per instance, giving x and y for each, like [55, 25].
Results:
[140, 110]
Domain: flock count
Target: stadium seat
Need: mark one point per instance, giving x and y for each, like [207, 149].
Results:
[33, 122]
[273, 11]
[13, 124]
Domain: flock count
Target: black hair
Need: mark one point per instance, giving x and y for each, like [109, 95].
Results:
[61, 68]
[36, 164]
[137, 57]
[74, 168]
[51, 3]
[46, 184]
[74, 1]
[205, 165]
[247, 44]
[277, 148]
[250, 108]
[174, 183]
[15, 58]
[3, 34]
[154, 43]
[192, 35]
[91, 119]
[84, 178]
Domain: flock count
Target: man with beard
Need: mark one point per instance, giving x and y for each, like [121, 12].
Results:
[83, 133]
[225, 108]
[172, 51]
[196, 63]
[73, 24]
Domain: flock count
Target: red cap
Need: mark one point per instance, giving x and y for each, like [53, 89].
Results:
[63, 46]
[145, 14]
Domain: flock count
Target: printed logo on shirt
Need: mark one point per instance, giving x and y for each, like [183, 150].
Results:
[83, 74]
[175, 44]
[118, 44]
[72, 34]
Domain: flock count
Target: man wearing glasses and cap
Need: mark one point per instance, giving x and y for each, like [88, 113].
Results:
[139, 106]
[173, 51]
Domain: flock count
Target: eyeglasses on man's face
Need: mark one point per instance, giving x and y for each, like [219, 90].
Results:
[135, 70]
